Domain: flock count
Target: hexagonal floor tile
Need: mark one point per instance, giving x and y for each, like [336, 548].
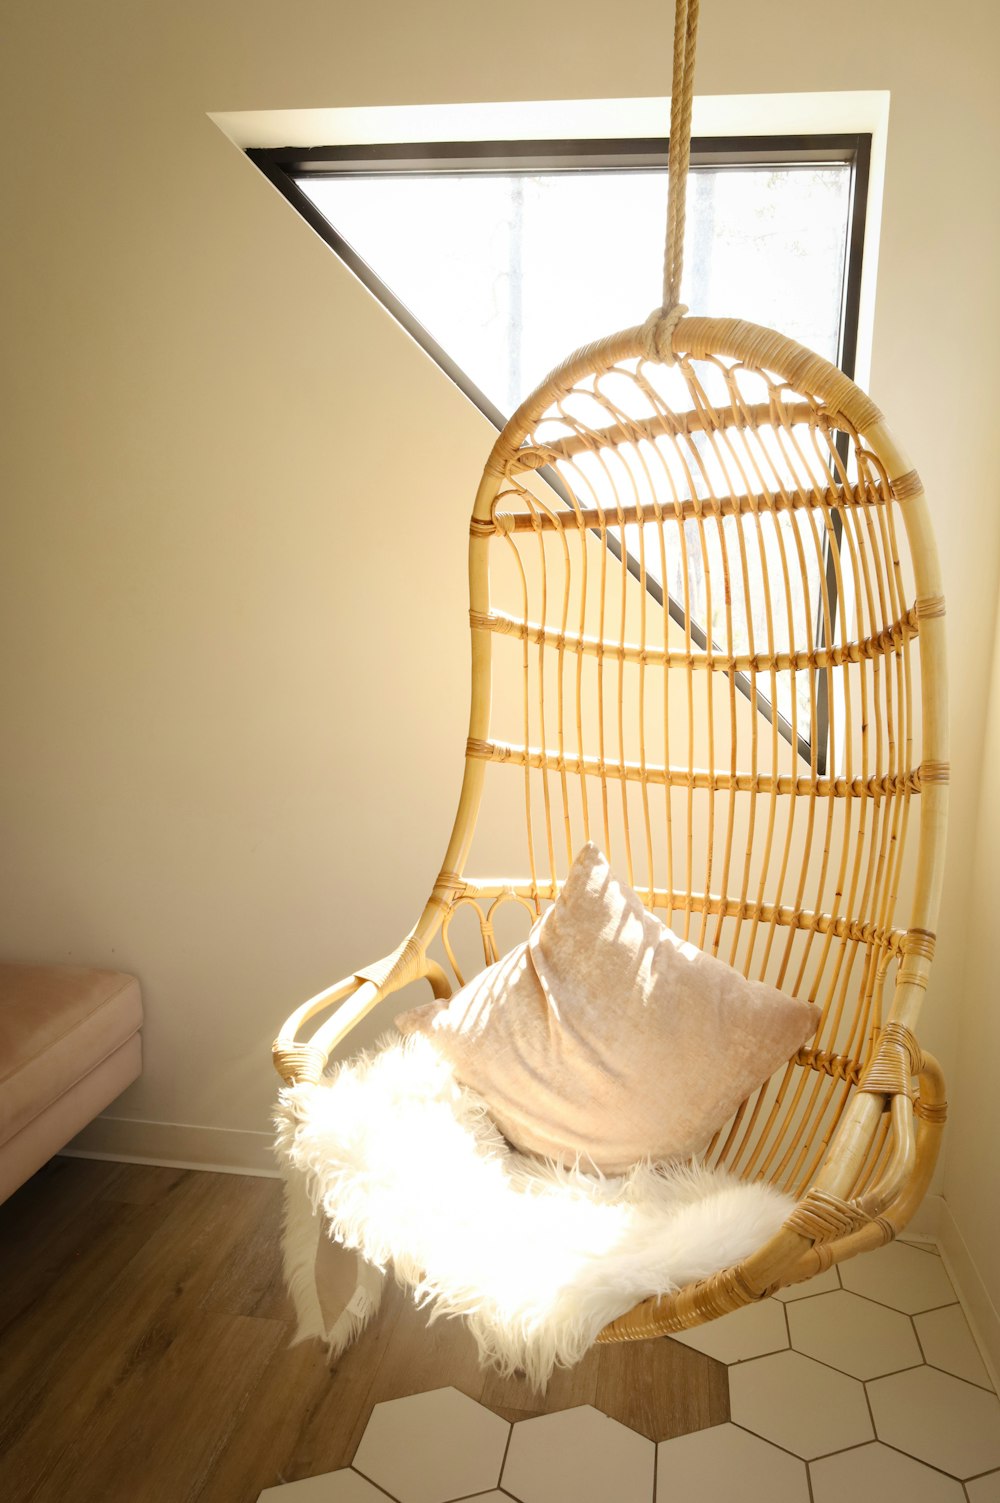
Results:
[725, 1462]
[804, 1407]
[578, 1456]
[853, 1334]
[877, 1472]
[906, 1278]
[939, 1419]
[751, 1332]
[331, 1487]
[493, 1497]
[822, 1283]
[948, 1343]
[432, 1447]
[984, 1489]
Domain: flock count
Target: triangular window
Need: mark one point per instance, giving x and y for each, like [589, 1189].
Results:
[500, 259]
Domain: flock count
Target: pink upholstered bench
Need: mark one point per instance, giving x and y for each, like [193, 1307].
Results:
[69, 1044]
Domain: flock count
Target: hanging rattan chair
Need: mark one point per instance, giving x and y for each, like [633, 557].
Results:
[654, 528]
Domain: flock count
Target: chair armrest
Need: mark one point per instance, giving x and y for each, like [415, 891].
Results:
[831, 1209]
[898, 1060]
[298, 1060]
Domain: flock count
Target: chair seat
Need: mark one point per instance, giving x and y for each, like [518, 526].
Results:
[57, 1023]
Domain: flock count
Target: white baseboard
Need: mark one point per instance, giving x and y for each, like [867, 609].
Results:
[980, 1311]
[179, 1145]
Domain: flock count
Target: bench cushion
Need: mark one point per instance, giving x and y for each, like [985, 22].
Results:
[56, 1023]
[59, 1123]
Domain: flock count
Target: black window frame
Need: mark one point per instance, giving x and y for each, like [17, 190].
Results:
[283, 166]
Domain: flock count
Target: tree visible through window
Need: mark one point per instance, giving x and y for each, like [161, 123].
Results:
[502, 259]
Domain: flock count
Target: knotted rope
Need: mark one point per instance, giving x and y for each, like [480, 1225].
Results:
[658, 330]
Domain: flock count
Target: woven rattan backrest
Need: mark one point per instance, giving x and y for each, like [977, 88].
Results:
[661, 557]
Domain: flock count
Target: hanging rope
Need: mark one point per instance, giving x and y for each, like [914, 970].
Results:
[658, 330]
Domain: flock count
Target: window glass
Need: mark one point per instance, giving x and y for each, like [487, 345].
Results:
[510, 272]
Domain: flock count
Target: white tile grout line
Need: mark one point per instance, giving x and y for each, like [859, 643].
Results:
[960, 1300]
[808, 1463]
[987, 1387]
[871, 1415]
[920, 1345]
[864, 1382]
[888, 1446]
[972, 1321]
[484, 1492]
[352, 1468]
[931, 1466]
[809, 1481]
[738, 1361]
[506, 1449]
[656, 1467]
[876, 1437]
[861, 1445]
[779, 1447]
[893, 1372]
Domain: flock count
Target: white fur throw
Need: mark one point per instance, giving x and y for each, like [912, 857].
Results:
[410, 1171]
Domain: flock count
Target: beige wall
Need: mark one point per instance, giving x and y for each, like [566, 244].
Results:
[237, 493]
[972, 1181]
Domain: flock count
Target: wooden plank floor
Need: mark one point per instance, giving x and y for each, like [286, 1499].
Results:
[144, 1352]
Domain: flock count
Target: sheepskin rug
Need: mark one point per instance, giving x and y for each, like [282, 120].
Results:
[411, 1173]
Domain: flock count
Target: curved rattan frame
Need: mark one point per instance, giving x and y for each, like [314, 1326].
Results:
[843, 1211]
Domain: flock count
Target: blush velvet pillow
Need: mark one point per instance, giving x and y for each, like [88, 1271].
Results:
[607, 1038]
